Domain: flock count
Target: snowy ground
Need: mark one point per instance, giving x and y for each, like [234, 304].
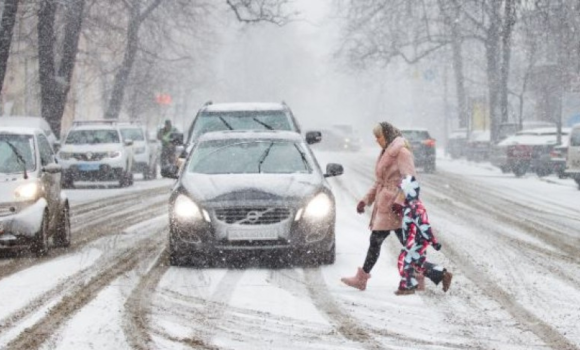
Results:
[510, 242]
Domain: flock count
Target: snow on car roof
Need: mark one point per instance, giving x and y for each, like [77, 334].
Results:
[24, 121]
[244, 106]
[20, 130]
[543, 131]
[251, 134]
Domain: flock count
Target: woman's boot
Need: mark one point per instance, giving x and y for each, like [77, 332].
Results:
[359, 281]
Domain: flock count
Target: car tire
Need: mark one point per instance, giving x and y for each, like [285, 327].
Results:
[62, 235]
[505, 169]
[40, 244]
[541, 172]
[520, 170]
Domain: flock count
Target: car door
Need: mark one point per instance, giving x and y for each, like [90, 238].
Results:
[573, 163]
[50, 180]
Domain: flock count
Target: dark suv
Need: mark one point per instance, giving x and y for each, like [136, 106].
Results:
[244, 116]
[423, 146]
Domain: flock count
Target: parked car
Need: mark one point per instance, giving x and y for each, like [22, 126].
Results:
[424, 148]
[527, 150]
[95, 151]
[558, 158]
[573, 159]
[36, 122]
[251, 191]
[33, 208]
[478, 146]
[456, 143]
[145, 154]
[244, 116]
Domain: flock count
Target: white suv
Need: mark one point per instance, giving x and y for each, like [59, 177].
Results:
[95, 151]
[144, 153]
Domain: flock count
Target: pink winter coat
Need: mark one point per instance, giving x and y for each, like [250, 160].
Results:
[392, 165]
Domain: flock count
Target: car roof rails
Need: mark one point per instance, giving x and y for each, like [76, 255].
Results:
[208, 103]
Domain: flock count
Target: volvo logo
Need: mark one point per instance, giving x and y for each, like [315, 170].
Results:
[253, 216]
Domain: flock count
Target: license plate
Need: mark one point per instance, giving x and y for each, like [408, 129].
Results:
[88, 167]
[252, 234]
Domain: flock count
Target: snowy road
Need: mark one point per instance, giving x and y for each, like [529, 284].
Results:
[512, 245]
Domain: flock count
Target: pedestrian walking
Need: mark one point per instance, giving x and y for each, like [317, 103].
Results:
[167, 147]
[394, 161]
[416, 236]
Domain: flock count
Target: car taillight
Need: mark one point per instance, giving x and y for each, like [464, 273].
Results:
[429, 143]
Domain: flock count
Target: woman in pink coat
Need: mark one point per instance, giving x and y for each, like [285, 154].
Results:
[394, 162]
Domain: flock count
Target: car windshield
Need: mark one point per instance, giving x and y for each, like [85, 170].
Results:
[249, 157]
[240, 120]
[134, 134]
[415, 135]
[13, 150]
[82, 137]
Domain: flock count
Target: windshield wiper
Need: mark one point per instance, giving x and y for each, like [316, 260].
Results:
[225, 123]
[262, 123]
[303, 156]
[19, 157]
[263, 157]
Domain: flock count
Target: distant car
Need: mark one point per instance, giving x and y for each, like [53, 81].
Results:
[251, 191]
[527, 150]
[144, 153]
[558, 158]
[424, 148]
[36, 122]
[456, 143]
[352, 139]
[478, 146]
[95, 151]
[33, 208]
[573, 158]
[336, 140]
[244, 116]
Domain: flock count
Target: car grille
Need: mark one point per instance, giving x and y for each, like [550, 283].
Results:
[252, 216]
[89, 156]
[7, 209]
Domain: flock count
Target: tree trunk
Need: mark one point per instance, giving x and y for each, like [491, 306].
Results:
[55, 84]
[506, 34]
[459, 78]
[6, 30]
[492, 53]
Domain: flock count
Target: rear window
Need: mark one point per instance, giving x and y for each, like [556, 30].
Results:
[416, 135]
[240, 120]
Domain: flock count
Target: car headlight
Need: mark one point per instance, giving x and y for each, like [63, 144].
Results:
[139, 150]
[318, 207]
[29, 191]
[64, 155]
[186, 209]
[114, 154]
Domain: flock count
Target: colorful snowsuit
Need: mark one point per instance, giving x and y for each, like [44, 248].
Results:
[416, 236]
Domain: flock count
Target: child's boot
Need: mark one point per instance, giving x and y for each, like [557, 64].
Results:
[359, 281]
[447, 276]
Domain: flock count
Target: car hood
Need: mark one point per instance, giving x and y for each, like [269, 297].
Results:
[250, 186]
[102, 147]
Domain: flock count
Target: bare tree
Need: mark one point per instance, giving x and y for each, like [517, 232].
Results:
[6, 29]
[55, 77]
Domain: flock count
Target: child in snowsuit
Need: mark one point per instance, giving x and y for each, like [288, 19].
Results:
[416, 237]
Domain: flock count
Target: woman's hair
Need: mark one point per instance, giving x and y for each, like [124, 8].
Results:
[388, 131]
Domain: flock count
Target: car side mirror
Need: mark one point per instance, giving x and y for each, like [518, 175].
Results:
[176, 138]
[52, 168]
[170, 171]
[56, 146]
[333, 169]
[313, 137]
[128, 142]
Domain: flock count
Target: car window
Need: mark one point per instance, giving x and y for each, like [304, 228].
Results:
[249, 157]
[415, 135]
[134, 134]
[12, 148]
[83, 137]
[575, 138]
[240, 120]
[46, 154]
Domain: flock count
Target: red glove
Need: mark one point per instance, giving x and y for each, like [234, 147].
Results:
[360, 207]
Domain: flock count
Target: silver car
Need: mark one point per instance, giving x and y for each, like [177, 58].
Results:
[33, 209]
[251, 191]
